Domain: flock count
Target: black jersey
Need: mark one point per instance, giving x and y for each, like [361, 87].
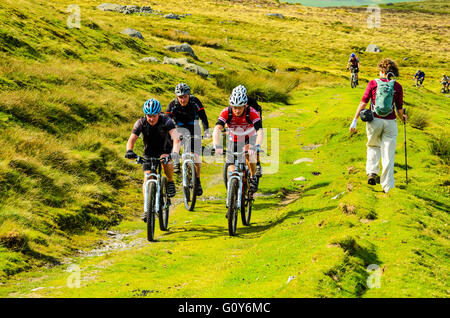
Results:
[156, 138]
[185, 116]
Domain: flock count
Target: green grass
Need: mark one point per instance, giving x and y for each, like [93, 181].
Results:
[69, 99]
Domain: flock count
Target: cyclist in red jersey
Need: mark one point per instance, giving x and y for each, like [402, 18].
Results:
[245, 133]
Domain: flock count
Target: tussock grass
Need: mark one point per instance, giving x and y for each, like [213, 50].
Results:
[440, 146]
[274, 88]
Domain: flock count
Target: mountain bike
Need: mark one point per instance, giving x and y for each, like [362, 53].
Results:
[444, 89]
[156, 200]
[353, 81]
[418, 82]
[239, 195]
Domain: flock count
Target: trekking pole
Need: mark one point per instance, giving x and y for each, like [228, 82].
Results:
[406, 157]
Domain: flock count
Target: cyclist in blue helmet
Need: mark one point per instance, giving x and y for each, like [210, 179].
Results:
[160, 139]
[353, 63]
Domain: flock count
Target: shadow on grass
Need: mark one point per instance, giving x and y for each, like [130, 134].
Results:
[206, 232]
[317, 186]
[435, 204]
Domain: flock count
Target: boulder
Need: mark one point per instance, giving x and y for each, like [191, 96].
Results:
[150, 59]
[373, 48]
[110, 7]
[146, 9]
[172, 16]
[130, 9]
[275, 15]
[184, 48]
[300, 179]
[133, 33]
[176, 61]
[196, 69]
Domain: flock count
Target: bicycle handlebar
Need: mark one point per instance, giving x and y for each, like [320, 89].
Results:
[141, 160]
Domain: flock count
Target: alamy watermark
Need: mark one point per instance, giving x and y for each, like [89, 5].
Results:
[74, 279]
[374, 19]
[374, 279]
[74, 20]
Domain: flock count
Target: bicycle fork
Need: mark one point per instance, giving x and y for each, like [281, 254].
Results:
[158, 190]
[235, 175]
[185, 163]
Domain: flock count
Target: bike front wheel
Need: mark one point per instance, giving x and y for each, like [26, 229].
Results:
[189, 191]
[232, 207]
[151, 212]
[164, 206]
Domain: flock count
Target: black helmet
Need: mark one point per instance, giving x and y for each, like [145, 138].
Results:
[182, 89]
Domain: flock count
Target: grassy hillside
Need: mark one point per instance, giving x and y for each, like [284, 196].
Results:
[69, 99]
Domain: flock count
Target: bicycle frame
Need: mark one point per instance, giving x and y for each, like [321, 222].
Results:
[153, 177]
[238, 174]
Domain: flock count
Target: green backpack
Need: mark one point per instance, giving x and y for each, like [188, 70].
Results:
[384, 98]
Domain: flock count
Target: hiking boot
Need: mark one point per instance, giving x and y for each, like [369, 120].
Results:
[171, 189]
[258, 170]
[254, 184]
[176, 167]
[372, 179]
[198, 188]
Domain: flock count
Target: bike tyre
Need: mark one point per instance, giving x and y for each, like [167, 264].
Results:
[163, 215]
[246, 208]
[189, 192]
[151, 212]
[232, 209]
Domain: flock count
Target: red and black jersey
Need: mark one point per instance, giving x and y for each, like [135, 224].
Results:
[240, 127]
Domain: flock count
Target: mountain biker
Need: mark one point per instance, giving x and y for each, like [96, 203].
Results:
[354, 64]
[420, 75]
[445, 81]
[185, 110]
[246, 133]
[382, 131]
[254, 104]
[156, 130]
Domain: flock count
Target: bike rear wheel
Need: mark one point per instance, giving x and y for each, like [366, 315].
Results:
[247, 202]
[164, 206]
[151, 212]
[353, 81]
[189, 191]
[232, 207]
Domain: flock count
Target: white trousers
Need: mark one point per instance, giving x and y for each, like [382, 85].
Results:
[381, 143]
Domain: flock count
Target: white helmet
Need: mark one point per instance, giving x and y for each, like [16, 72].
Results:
[240, 88]
[238, 98]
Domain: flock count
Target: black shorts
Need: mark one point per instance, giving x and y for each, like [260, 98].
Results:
[354, 69]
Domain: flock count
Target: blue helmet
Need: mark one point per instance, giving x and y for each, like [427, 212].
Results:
[152, 107]
[353, 55]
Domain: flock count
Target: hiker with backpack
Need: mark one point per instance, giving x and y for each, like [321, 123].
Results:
[386, 96]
